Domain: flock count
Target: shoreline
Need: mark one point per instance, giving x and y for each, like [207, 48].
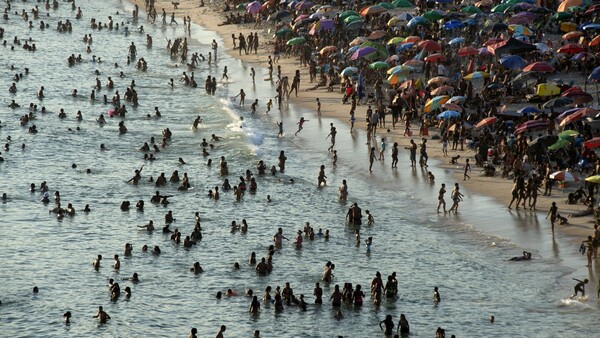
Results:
[498, 188]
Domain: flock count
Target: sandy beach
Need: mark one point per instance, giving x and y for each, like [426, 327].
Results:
[211, 16]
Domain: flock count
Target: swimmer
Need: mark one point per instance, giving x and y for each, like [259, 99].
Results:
[436, 295]
[102, 315]
[526, 256]
[96, 262]
[370, 218]
[149, 227]
[579, 287]
[67, 317]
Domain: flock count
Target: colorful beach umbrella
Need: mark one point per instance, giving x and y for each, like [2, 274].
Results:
[448, 114]
[327, 50]
[540, 67]
[442, 90]
[363, 52]
[437, 57]
[592, 144]
[429, 46]
[372, 10]
[563, 175]
[456, 41]
[395, 40]
[436, 103]
[417, 21]
[520, 29]
[593, 179]
[433, 15]
[595, 74]
[486, 122]
[438, 80]
[571, 48]
[513, 62]
[379, 65]
[254, 7]
[402, 4]
[465, 51]
[477, 75]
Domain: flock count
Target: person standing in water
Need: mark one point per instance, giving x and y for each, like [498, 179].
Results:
[441, 201]
[300, 125]
[553, 212]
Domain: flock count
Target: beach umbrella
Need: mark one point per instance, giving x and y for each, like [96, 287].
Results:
[405, 46]
[372, 10]
[414, 63]
[528, 110]
[512, 62]
[572, 118]
[396, 78]
[448, 114]
[595, 74]
[456, 41]
[404, 16]
[302, 5]
[470, 9]
[395, 41]
[567, 27]
[429, 46]
[417, 21]
[433, 15]
[317, 16]
[324, 9]
[591, 26]
[399, 70]
[593, 179]
[437, 57]
[355, 25]
[563, 175]
[531, 125]
[378, 34]
[296, 41]
[349, 71]
[470, 22]
[358, 41]
[465, 51]
[592, 144]
[486, 122]
[520, 20]
[402, 4]
[438, 80]
[343, 15]
[279, 15]
[452, 24]
[393, 22]
[567, 134]
[542, 47]
[363, 52]
[571, 48]
[557, 102]
[457, 99]
[477, 75]
[254, 7]
[492, 41]
[386, 5]
[520, 29]
[451, 106]
[327, 50]
[301, 17]
[352, 18]
[595, 41]
[499, 27]
[501, 8]
[283, 32]
[442, 90]
[574, 35]
[413, 38]
[543, 141]
[540, 67]
[436, 103]
[379, 65]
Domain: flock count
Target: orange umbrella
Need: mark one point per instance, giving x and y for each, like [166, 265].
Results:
[412, 38]
[376, 35]
[442, 90]
[328, 49]
[468, 51]
[435, 58]
[574, 35]
[564, 6]
[595, 41]
[572, 118]
[372, 10]
[486, 122]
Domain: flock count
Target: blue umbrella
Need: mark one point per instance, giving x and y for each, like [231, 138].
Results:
[404, 16]
[452, 24]
[417, 20]
[353, 49]
[528, 110]
[456, 41]
[595, 75]
[448, 114]
[471, 22]
[591, 26]
[349, 71]
[513, 62]
[405, 46]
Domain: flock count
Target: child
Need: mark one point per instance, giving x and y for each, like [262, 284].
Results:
[370, 218]
[445, 146]
[254, 105]
[357, 235]
[280, 125]
[334, 158]
[467, 168]
[580, 287]
[369, 242]
[269, 105]
[352, 120]
[318, 107]
[382, 149]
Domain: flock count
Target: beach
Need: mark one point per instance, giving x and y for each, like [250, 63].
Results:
[465, 255]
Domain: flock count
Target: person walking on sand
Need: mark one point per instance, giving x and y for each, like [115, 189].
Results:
[467, 169]
[382, 149]
[300, 125]
[553, 212]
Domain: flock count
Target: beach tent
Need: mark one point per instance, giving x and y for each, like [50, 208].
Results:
[547, 89]
[512, 46]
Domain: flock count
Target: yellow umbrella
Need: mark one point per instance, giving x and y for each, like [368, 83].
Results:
[399, 70]
[436, 103]
[393, 22]
[328, 49]
[593, 179]
[568, 27]
[477, 75]
[396, 78]
[395, 41]
[564, 6]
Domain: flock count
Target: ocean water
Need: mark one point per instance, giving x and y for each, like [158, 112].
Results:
[464, 255]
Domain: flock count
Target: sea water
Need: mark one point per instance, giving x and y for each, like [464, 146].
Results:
[464, 255]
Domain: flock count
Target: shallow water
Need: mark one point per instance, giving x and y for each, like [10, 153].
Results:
[463, 255]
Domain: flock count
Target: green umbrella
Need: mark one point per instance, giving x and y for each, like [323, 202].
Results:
[241, 7]
[395, 40]
[345, 14]
[514, 2]
[565, 135]
[561, 143]
[501, 8]
[386, 5]
[402, 4]
[560, 16]
[296, 41]
[575, 9]
[379, 65]
[352, 18]
[470, 10]
[433, 15]
[283, 32]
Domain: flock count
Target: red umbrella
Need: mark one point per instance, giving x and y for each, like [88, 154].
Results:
[530, 125]
[435, 58]
[538, 67]
[572, 118]
[571, 48]
[486, 122]
[589, 111]
[593, 143]
[468, 51]
[429, 46]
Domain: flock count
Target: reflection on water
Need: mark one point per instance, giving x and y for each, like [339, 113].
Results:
[425, 249]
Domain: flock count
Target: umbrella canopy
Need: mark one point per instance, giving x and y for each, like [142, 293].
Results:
[283, 32]
[343, 15]
[456, 41]
[448, 114]
[477, 75]
[378, 34]
[429, 46]
[302, 5]
[543, 142]
[531, 125]
[348, 71]
[595, 74]
[572, 118]
[438, 80]
[564, 6]
[254, 7]
[436, 103]
[417, 21]
[540, 67]
[442, 90]
[513, 62]
[396, 78]
[592, 144]
[520, 29]
[559, 144]
[486, 122]
[512, 46]
[528, 110]
[451, 106]
[379, 65]
[571, 48]
[399, 69]
[386, 5]
[565, 176]
[402, 4]
[452, 24]
[437, 57]
[465, 51]
[458, 99]
[433, 15]
[351, 18]
[574, 35]
[593, 179]
[363, 52]
[296, 41]
[395, 41]
[567, 134]
[470, 9]
[413, 38]
[372, 10]
[557, 102]
[327, 50]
